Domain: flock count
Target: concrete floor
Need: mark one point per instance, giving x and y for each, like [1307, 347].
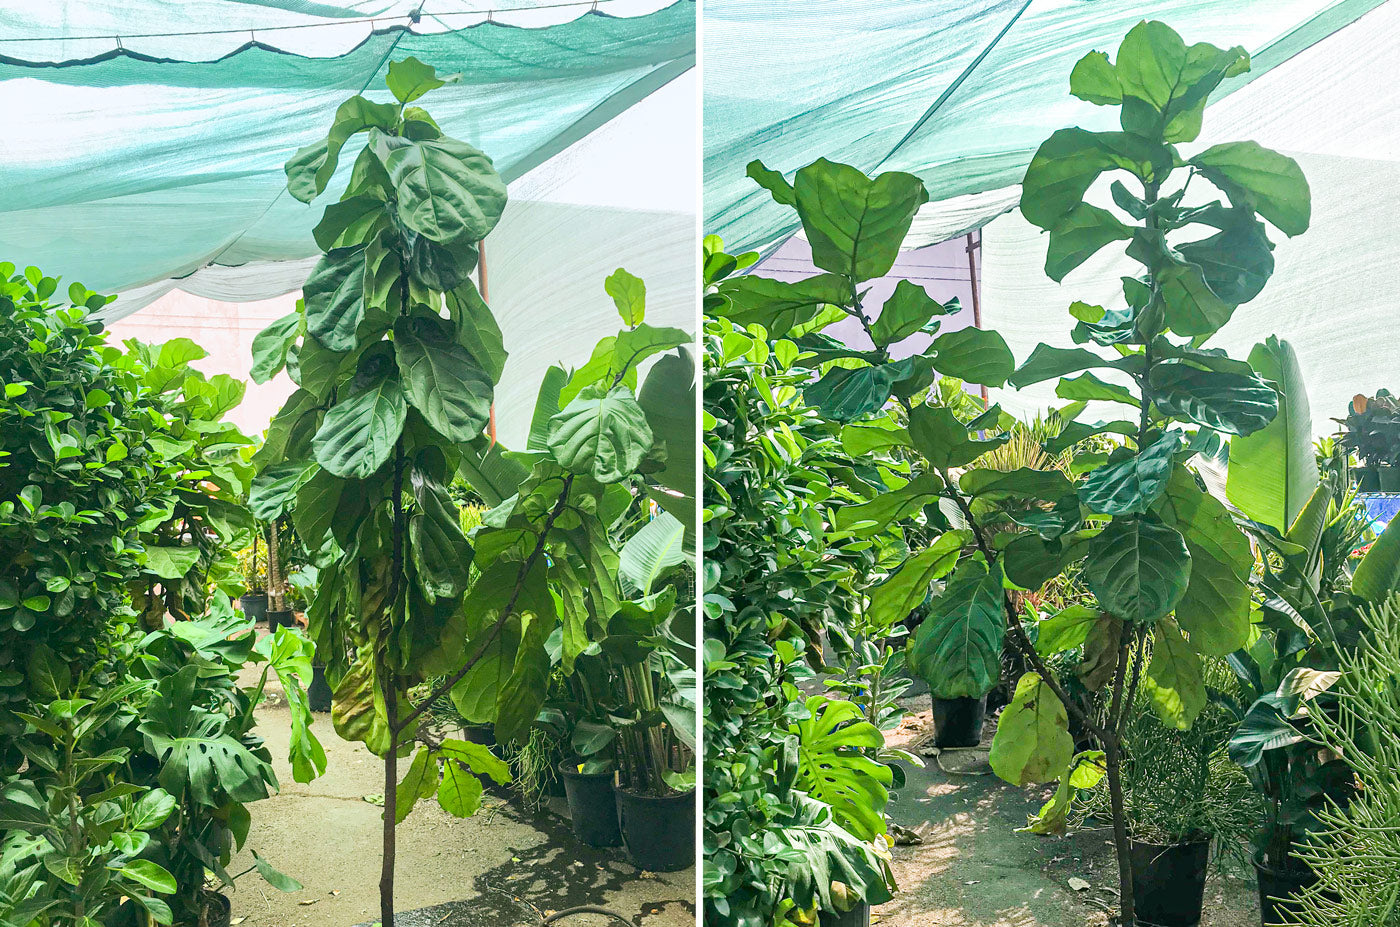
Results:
[974, 870]
[511, 868]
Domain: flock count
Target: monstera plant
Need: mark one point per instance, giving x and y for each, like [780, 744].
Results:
[1168, 568]
[395, 355]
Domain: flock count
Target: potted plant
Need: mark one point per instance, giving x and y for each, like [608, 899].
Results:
[648, 736]
[1308, 521]
[253, 603]
[1372, 430]
[1182, 798]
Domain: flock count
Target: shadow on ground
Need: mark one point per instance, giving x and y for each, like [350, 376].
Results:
[501, 868]
[974, 870]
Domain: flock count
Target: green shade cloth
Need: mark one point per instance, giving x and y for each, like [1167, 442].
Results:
[125, 167]
[960, 92]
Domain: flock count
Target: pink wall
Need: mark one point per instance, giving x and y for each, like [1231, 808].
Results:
[940, 269]
[226, 331]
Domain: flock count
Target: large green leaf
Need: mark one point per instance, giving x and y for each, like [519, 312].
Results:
[1138, 568]
[1174, 683]
[637, 344]
[907, 310]
[441, 378]
[170, 562]
[1088, 388]
[1265, 727]
[334, 295]
[357, 435]
[1032, 741]
[945, 441]
[273, 489]
[410, 78]
[779, 305]
[845, 394]
[887, 508]
[651, 553]
[854, 224]
[1023, 481]
[1078, 236]
[1190, 306]
[1378, 573]
[441, 555]
[1164, 84]
[1273, 472]
[606, 436]
[446, 189]
[477, 329]
[1214, 610]
[1048, 363]
[270, 347]
[1265, 181]
[1065, 630]
[975, 355]
[629, 294]
[957, 649]
[459, 793]
[523, 693]
[1063, 168]
[1233, 403]
[905, 589]
[310, 169]
[668, 399]
[832, 768]
[1130, 483]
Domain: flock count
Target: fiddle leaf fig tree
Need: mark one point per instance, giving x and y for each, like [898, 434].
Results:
[1167, 565]
[396, 355]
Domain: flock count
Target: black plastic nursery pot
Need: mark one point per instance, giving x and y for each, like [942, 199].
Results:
[592, 805]
[1276, 886]
[1388, 479]
[218, 910]
[484, 734]
[282, 619]
[1169, 882]
[1367, 479]
[658, 831]
[254, 605]
[318, 694]
[859, 916]
[957, 722]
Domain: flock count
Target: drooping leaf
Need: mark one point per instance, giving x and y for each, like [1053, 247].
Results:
[889, 507]
[845, 394]
[420, 781]
[907, 310]
[334, 295]
[1174, 683]
[773, 182]
[957, 649]
[1378, 574]
[310, 169]
[895, 598]
[1078, 236]
[441, 378]
[1065, 630]
[357, 435]
[270, 347]
[943, 440]
[1032, 741]
[1214, 610]
[459, 793]
[1233, 403]
[780, 305]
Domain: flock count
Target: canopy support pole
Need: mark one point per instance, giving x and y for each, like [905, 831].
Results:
[972, 247]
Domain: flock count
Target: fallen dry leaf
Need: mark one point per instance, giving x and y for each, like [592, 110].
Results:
[1077, 884]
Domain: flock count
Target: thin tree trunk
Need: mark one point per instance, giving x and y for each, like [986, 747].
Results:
[1113, 757]
[391, 801]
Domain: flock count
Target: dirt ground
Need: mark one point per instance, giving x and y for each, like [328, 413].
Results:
[510, 868]
[974, 870]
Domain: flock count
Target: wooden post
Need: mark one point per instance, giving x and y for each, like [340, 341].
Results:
[972, 247]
